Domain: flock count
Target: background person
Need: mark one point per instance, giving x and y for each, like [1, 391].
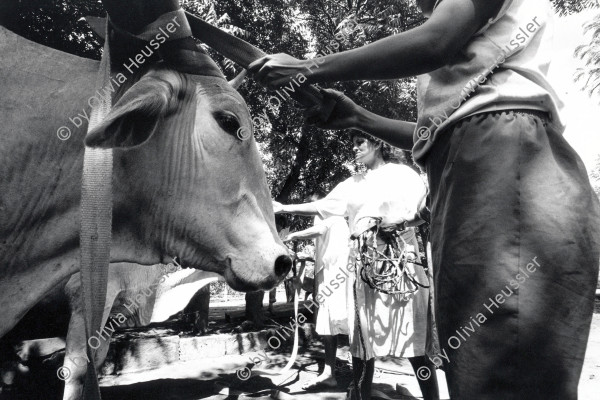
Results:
[506, 189]
[331, 259]
[391, 325]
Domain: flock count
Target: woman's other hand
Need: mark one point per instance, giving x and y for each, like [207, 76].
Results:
[344, 114]
[277, 70]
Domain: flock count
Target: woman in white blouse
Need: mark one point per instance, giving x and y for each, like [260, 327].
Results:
[392, 325]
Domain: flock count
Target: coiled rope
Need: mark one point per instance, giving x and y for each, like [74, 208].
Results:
[387, 269]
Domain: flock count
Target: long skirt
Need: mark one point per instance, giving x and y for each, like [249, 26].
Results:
[515, 238]
[391, 325]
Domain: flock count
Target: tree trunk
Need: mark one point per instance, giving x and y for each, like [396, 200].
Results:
[300, 161]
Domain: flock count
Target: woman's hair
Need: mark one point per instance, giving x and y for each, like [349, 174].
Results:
[388, 153]
[281, 222]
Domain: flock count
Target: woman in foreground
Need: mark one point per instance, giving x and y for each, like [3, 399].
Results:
[515, 224]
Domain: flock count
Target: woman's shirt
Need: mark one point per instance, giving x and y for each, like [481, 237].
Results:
[391, 192]
[504, 66]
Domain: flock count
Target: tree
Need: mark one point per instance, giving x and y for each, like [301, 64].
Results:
[55, 23]
[567, 7]
[298, 159]
[301, 159]
[590, 54]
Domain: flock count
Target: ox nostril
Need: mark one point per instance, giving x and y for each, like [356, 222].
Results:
[283, 264]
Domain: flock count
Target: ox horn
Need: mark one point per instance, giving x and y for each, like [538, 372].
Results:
[97, 24]
[239, 79]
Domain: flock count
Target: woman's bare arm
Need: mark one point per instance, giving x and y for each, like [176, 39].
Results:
[306, 209]
[414, 52]
[348, 115]
[310, 233]
[392, 131]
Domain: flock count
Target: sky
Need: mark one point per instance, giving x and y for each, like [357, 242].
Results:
[582, 113]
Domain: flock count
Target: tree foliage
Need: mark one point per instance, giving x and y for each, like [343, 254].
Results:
[55, 23]
[567, 7]
[589, 76]
[299, 159]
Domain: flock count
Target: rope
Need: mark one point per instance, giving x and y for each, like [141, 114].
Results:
[294, 355]
[96, 206]
[387, 270]
[283, 379]
[95, 232]
[363, 347]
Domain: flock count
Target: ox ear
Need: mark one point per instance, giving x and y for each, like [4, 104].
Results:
[138, 114]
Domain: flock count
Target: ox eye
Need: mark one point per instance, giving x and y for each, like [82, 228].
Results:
[228, 122]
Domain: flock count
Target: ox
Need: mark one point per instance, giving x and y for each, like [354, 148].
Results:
[184, 184]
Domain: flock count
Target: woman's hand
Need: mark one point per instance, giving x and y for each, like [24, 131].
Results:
[289, 238]
[343, 116]
[391, 227]
[277, 70]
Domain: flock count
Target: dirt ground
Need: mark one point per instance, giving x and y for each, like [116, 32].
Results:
[389, 375]
[220, 379]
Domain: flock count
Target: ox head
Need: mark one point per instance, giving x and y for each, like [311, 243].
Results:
[187, 166]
